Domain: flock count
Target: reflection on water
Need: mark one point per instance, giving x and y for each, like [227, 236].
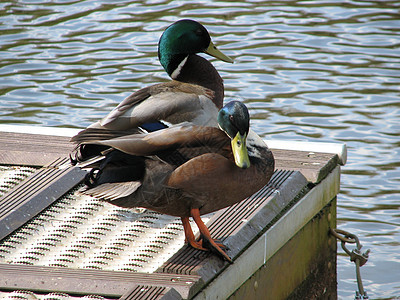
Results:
[308, 70]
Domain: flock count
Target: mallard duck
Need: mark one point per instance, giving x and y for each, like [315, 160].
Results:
[195, 93]
[185, 170]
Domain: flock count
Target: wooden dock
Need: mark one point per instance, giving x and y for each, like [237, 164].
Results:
[55, 242]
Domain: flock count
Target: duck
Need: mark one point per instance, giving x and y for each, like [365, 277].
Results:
[195, 92]
[185, 170]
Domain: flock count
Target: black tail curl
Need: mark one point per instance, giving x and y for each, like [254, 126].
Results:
[85, 152]
[91, 178]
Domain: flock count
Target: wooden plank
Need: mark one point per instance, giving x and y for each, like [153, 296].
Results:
[314, 166]
[38, 150]
[32, 149]
[94, 282]
[322, 147]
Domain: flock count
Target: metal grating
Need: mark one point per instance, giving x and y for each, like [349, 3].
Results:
[79, 231]
[10, 176]
[28, 295]
[36, 193]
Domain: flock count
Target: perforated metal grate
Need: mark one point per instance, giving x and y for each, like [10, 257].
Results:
[10, 176]
[28, 295]
[79, 231]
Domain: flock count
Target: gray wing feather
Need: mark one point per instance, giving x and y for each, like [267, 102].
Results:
[112, 191]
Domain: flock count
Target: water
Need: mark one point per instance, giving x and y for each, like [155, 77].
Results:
[319, 71]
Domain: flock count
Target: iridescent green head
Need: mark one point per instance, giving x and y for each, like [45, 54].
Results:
[234, 119]
[183, 38]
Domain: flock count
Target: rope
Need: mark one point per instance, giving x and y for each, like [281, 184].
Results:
[355, 256]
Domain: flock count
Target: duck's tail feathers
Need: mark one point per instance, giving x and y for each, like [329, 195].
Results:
[112, 191]
[92, 135]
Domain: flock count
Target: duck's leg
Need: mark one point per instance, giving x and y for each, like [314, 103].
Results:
[205, 233]
[189, 236]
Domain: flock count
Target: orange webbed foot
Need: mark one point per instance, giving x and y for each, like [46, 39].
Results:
[189, 236]
[217, 242]
[206, 242]
[213, 245]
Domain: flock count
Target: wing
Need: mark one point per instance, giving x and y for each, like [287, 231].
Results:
[168, 139]
[173, 102]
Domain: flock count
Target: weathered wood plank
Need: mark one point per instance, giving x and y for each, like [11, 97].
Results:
[32, 149]
[38, 150]
[314, 166]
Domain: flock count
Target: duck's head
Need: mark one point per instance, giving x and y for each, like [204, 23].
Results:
[234, 120]
[183, 38]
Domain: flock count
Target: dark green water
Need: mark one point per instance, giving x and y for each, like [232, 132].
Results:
[324, 71]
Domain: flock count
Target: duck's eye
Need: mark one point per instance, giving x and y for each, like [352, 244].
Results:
[239, 143]
[199, 32]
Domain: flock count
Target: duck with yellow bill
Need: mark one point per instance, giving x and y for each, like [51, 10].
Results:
[185, 170]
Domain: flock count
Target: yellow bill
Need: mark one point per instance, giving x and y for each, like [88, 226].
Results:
[213, 51]
[239, 151]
